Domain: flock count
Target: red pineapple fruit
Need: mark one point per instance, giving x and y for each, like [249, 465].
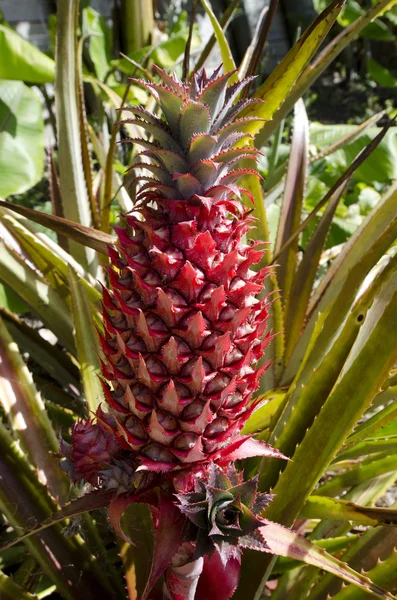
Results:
[184, 323]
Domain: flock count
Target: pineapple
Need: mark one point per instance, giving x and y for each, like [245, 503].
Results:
[184, 324]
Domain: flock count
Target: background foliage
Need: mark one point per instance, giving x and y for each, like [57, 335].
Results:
[328, 206]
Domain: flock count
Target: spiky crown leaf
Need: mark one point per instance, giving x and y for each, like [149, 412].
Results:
[225, 510]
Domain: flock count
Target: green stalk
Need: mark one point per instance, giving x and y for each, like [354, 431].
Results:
[27, 416]
[25, 502]
[76, 206]
[86, 342]
[43, 300]
[137, 21]
[10, 590]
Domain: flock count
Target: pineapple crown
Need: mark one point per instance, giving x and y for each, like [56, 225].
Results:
[225, 510]
[196, 149]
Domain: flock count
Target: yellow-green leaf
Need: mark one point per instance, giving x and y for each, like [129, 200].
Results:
[278, 85]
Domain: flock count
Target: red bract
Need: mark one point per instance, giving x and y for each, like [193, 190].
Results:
[91, 450]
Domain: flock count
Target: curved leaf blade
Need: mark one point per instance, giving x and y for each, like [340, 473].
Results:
[44, 301]
[226, 53]
[284, 542]
[87, 236]
[27, 415]
[86, 342]
[319, 507]
[278, 85]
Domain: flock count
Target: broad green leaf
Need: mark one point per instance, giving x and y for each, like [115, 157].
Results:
[359, 159]
[327, 143]
[87, 236]
[137, 523]
[321, 62]
[27, 416]
[376, 30]
[42, 299]
[168, 52]
[379, 166]
[380, 74]
[391, 15]
[319, 507]
[86, 342]
[99, 41]
[226, 54]
[21, 138]
[73, 188]
[278, 85]
[21, 60]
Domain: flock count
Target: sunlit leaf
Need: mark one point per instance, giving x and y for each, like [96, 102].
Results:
[86, 342]
[27, 416]
[73, 188]
[278, 85]
[227, 57]
[21, 60]
[21, 137]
